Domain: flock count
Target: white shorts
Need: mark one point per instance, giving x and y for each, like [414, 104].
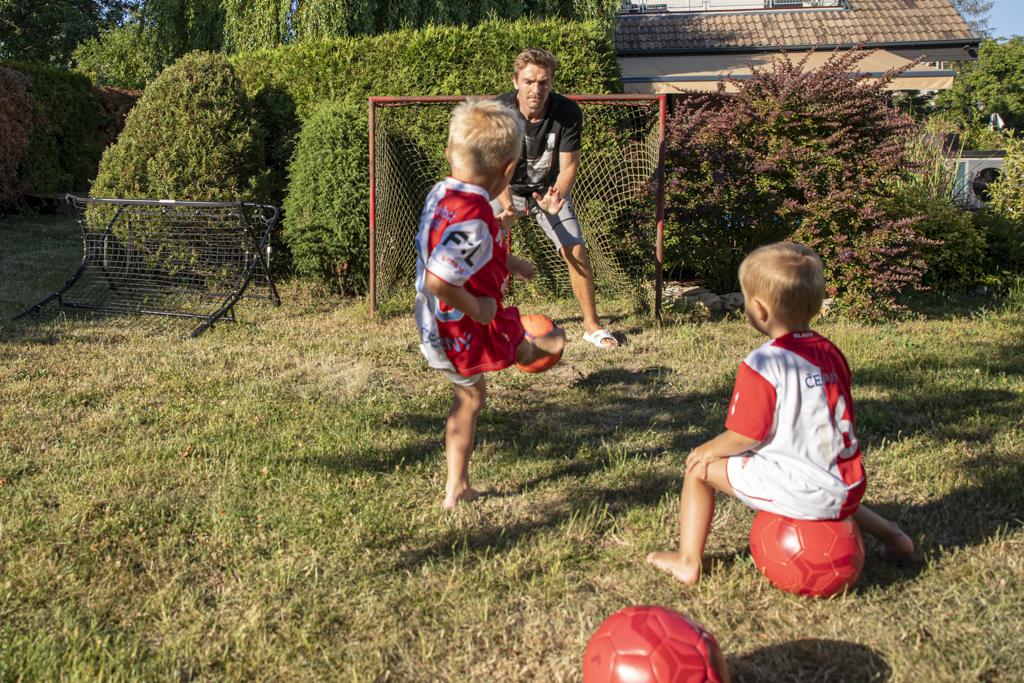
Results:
[459, 380]
[763, 484]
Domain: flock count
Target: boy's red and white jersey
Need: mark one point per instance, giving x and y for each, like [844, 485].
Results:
[793, 395]
[461, 242]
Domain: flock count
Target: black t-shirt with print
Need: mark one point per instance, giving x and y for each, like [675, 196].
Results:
[558, 131]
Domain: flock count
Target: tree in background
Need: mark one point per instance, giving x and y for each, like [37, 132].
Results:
[153, 35]
[993, 84]
[254, 24]
[48, 30]
[976, 14]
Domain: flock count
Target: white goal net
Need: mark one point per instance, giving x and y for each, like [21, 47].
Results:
[618, 196]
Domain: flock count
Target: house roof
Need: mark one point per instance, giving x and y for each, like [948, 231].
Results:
[875, 23]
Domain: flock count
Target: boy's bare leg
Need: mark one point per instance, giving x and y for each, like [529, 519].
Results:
[696, 508]
[459, 438]
[550, 344]
[898, 546]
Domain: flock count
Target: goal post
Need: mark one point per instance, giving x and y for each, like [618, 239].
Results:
[618, 195]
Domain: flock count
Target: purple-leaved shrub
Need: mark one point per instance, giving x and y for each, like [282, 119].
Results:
[800, 155]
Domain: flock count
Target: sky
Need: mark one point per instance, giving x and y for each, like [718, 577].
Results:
[1007, 18]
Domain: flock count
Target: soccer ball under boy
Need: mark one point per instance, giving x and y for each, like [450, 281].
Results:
[537, 325]
[652, 645]
[807, 557]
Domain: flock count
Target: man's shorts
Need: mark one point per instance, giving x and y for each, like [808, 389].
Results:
[562, 228]
[763, 484]
[458, 380]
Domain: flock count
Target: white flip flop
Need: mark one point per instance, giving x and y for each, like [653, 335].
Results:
[599, 337]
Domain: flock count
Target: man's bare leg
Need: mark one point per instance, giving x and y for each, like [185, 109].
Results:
[581, 275]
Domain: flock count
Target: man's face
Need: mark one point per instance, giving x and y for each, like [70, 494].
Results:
[534, 85]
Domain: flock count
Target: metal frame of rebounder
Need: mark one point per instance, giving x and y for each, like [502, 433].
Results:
[659, 249]
[231, 258]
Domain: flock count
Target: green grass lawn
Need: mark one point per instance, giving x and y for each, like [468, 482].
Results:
[263, 502]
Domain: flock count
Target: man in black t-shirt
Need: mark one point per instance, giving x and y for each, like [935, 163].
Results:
[542, 183]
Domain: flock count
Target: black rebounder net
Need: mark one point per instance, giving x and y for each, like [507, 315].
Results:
[193, 260]
[616, 195]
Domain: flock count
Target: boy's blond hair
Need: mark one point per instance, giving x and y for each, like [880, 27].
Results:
[484, 135]
[536, 56]
[788, 277]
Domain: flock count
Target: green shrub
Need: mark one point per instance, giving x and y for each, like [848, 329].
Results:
[326, 207]
[15, 131]
[1004, 240]
[925, 194]
[793, 155]
[64, 148]
[1003, 219]
[192, 136]
[1008, 191]
[955, 253]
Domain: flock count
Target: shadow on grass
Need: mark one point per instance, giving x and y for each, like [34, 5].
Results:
[968, 516]
[943, 306]
[429, 445]
[813, 659]
[643, 489]
[601, 420]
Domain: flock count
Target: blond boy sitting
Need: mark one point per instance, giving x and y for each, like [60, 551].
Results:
[789, 445]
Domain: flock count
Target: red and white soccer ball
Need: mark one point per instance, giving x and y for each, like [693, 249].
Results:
[537, 325]
[652, 645]
[807, 557]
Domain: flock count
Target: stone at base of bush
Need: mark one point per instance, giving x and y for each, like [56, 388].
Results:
[733, 301]
[678, 295]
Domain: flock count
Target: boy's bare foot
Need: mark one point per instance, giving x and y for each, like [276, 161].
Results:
[453, 498]
[898, 548]
[673, 563]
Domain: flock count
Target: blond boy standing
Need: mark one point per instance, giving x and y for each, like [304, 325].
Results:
[463, 268]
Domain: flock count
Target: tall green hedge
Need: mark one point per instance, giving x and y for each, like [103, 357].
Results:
[432, 61]
[15, 131]
[67, 120]
[325, 218]
[327, 202]
[192, 136]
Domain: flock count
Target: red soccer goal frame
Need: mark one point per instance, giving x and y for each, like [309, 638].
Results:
[659, 250]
